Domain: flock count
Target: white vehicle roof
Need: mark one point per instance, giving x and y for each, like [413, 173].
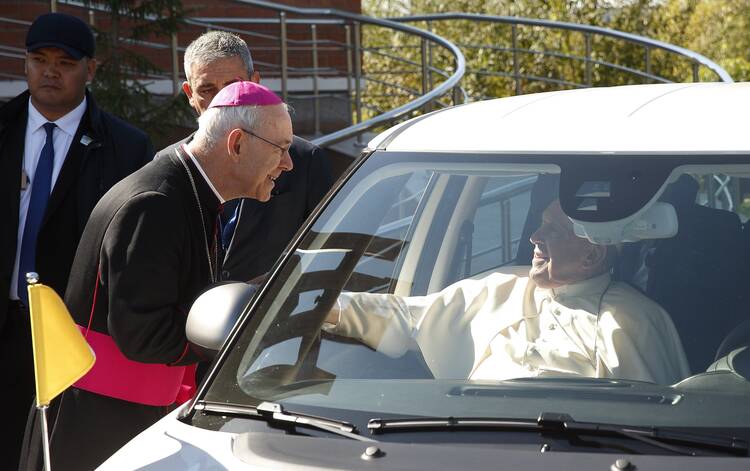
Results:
[670, 118]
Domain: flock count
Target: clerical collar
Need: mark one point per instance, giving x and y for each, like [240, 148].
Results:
[588, 287]
[68, 123]
[205, 177]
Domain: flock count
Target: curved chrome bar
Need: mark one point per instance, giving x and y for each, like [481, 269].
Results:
[634, 38]
[391, 115]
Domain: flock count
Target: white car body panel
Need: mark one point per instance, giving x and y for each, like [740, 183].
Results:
[640, 118]
[172, 445]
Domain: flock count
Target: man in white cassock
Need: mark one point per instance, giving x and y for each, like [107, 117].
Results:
[564, 316]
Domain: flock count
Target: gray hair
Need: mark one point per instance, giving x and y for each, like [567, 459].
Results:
[215, 123]
[216, 45]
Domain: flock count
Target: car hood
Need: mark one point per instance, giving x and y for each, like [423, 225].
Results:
[170, 445]
[173, 445]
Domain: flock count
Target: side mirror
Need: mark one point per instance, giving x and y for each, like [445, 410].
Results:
[215, 312]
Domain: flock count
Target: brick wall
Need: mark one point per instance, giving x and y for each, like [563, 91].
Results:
[262, 38]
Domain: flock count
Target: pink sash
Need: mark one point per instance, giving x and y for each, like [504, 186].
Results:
[116, 376]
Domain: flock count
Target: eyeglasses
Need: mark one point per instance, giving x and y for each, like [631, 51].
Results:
[283, 149]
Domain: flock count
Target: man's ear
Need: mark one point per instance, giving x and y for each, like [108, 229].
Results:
[595, 256]
[255, 77]
[91, 65]
[188, 92]
[235, 142]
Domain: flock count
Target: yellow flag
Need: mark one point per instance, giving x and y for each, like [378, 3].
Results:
[61, 354]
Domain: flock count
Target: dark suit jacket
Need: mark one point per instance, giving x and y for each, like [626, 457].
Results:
[264, 229]
[117, 149]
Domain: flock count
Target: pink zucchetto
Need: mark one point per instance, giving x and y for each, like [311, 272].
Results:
[245, 94]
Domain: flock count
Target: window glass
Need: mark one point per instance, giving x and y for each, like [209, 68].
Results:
[458, 285]
[374, 270]
[698, 271]
[499, 222]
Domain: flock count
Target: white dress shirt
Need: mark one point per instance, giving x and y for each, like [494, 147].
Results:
[503, 326]
[36, 137]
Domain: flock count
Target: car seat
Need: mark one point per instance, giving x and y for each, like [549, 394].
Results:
[697, 275]
[740, 336]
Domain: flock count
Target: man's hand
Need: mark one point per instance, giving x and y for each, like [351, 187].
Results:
[334, 314]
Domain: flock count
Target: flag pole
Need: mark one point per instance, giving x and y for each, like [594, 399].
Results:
[32, 278]
[45, 437]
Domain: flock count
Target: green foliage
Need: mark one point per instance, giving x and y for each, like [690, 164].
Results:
[119, 85]
[744, 208]
[546, 59]
[721, 30]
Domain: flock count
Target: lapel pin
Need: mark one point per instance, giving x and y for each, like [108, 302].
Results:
[24, 180]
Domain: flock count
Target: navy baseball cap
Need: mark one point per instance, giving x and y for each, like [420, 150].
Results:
[66, 32]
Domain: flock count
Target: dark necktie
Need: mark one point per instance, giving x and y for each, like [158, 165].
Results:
[228, 230]
[40, 190]
[217, 242]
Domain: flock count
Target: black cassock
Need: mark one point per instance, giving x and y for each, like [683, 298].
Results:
[145, 254]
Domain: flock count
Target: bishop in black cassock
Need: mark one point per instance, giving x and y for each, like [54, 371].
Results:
[150, 248]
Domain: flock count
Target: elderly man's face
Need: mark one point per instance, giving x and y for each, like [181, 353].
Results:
[207, 79]
[267, 154]
[560, 257]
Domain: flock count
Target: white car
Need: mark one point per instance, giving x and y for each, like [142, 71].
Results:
[401, 330]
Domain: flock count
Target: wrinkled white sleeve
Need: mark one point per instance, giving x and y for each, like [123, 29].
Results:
[393, 324]
[383, 322]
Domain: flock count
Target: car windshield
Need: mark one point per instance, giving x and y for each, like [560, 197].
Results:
[608, 287]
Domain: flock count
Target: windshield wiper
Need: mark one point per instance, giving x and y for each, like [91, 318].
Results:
[273, 412]
[563, 423]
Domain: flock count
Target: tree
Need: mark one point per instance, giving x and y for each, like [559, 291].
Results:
[721, 31]
[120, 83]
[715, 29]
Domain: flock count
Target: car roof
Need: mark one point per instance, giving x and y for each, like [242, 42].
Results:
[661, 118]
